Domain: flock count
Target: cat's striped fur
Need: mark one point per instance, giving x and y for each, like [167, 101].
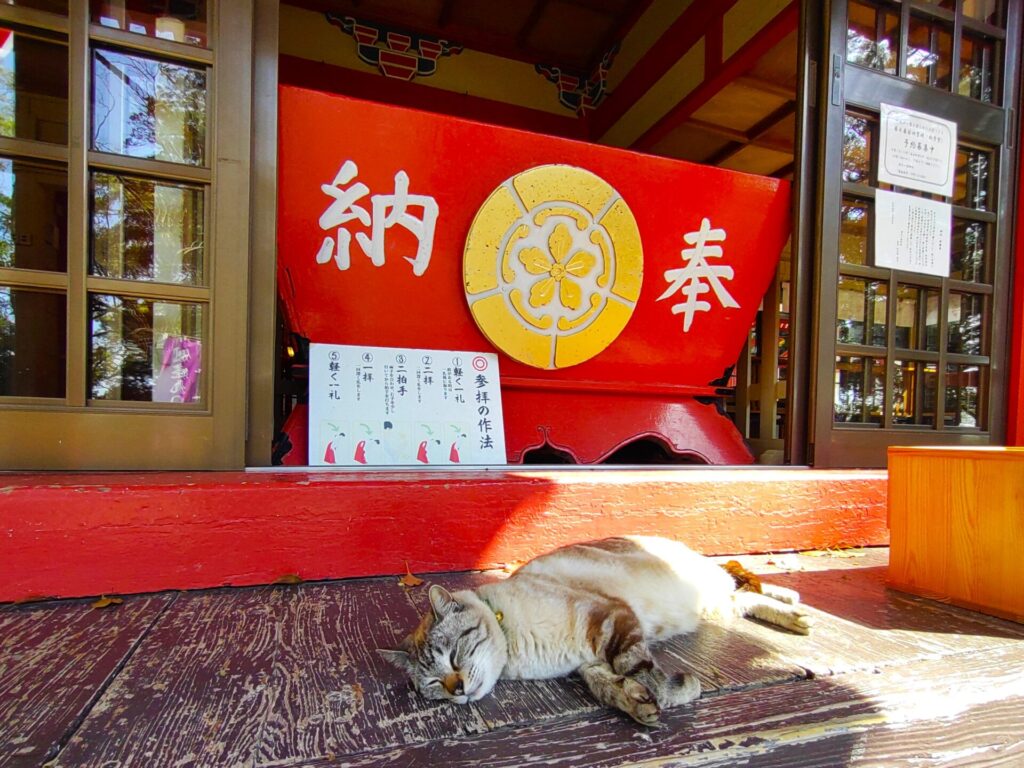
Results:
[590, 608]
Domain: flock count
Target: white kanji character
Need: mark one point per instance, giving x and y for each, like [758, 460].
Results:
[389, 210]
[689, 279]
[341, 211]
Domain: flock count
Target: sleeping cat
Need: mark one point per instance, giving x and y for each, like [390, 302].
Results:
[590, 608]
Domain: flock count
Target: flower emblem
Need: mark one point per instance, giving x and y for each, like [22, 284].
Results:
[553, 266]
[560, 263]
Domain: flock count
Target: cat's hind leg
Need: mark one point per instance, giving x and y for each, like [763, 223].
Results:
[773, 611]
[782, 594]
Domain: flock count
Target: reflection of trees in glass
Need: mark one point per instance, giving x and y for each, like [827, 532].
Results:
[7, 328]
[6, 213]
[121, 349]
[856, 149]
[965, 334]
[977, 180]
[125, 224]
[849, 398]
[969, 251]
[976, 68]
[162, 107]
[122, 359]
[868, 52]
[8, 98]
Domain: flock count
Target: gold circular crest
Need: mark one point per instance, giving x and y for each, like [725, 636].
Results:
[553, 266]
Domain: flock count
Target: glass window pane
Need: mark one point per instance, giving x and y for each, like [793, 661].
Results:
[33, 216]
[859, 390]
[968, 261]
[984, 10]
[857, 149]
[917, 318]
[914, 388]
[183, 21]
[148, 108]
[33, 345]
[872, 37]
[930, 52]
[977, 68]
[853, 232]
[965, 396]
[966, 318]
[145, 350]
[861, 311]
[147, 230]
[972, 181]
[33, 88]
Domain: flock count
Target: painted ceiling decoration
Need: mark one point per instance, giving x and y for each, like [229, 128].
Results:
[578, 92]
[395, 53]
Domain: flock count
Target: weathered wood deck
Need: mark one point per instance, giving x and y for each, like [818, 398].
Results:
[287, 676]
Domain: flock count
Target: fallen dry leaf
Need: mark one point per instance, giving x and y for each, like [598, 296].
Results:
[106, 602]
[409, 580]
[288, 578]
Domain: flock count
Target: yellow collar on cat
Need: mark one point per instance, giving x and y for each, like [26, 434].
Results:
[497, 614]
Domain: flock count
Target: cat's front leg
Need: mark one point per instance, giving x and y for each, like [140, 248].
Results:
[621, 692]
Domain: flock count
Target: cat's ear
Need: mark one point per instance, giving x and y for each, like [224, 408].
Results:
[398, 658]
[441, 601]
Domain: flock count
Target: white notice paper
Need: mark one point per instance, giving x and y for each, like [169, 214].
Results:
[912, 233]
[378, 406]
[916, 150]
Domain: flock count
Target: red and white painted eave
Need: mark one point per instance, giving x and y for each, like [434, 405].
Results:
[66, 535]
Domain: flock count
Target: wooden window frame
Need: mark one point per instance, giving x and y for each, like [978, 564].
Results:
[849, 87]
[79, 433]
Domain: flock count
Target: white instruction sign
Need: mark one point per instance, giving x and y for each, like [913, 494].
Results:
[916, 150]
[388, 406]
[912, 233]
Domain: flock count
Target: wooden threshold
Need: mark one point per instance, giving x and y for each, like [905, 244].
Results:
[69, 535]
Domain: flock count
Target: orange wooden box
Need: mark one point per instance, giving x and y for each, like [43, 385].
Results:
[956, 523]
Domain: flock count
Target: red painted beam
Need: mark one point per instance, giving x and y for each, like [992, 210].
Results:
[74, 535]
[673, 43]
[294, 70]
[715, 80]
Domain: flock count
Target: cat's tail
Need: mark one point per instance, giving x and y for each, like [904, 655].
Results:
[767, 602]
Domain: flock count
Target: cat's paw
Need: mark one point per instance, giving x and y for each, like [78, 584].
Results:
[799, 622]
[679, 689]
[639, 703]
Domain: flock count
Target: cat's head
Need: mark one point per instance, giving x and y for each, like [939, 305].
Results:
[458, 650]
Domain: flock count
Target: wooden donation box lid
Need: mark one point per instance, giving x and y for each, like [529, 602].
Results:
[956, 518]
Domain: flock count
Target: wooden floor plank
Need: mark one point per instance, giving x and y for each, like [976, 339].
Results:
[280, 677]
[55, 658]
[864, 625]
[335, 695]
[332, 693]
[194, 693]
[853, 719]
